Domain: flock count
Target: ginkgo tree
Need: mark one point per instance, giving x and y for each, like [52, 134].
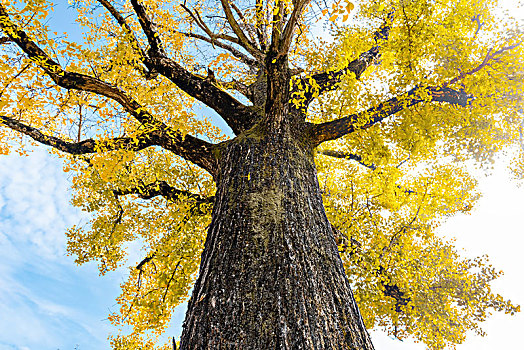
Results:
[279, 178]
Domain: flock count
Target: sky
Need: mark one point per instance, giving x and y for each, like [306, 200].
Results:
[49, 303]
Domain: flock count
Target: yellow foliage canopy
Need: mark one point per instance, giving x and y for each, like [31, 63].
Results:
[424, 85]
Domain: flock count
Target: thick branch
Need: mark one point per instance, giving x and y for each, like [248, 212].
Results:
[195, 150]
[331, 80]
[285, 39]
[392, 290]
[153, 38]
[363, 120]
[260, 27]
[191, 148]
[277, 27]
[86, 146]
[238, 116]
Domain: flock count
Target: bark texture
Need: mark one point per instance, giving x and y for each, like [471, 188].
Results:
[271, 276]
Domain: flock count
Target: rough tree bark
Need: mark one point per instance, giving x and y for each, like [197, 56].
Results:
[271, 276]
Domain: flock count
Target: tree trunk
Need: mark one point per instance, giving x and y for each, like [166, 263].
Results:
[271, 276]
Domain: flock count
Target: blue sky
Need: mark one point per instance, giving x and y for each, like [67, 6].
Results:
[47, 302]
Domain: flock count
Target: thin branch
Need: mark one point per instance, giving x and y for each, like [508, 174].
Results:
[122, 22]
[169, 282]
[357, 158]
[521, 134]
[489, 57]
[236, 40]
[344, 155]
[131, 36]
[343, 242]
[24, 68]
[244, 40]
[403, 229]
[145, 261]
[245, 22]
[337, 128]
[480, 24]
[162, 188]
[198, 20]
[242, 57]
[5, 40]
[118, 220]
[213, 36]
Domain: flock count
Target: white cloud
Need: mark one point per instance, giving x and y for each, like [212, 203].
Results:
[34, 202]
